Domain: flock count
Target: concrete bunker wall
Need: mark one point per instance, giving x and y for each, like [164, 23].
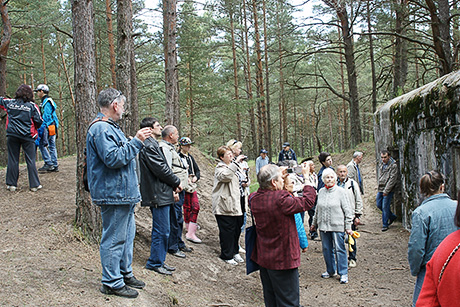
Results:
[422, 131]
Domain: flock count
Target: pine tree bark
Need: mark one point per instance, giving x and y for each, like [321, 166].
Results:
[283, 112]
[440, 26]
[267, 81]
[252, 118]
[235, 74]
[172, 114]
[125, 69]
[88, 217]
[4, 46]
[109, 20]
[371, 57]
[400, 58]
[263, 128]
[347, 38]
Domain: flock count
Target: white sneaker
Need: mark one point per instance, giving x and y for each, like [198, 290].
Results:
[241, 250]
[344, 279]
[231, 261]
[12, 188]
[352, 263]
[36, 188]
[238, 258]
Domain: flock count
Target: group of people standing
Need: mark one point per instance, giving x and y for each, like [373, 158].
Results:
[29, 127]
[164, 180]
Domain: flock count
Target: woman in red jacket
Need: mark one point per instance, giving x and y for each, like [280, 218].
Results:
[442, 279]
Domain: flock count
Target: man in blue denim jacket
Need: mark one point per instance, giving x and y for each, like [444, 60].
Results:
[113, 185]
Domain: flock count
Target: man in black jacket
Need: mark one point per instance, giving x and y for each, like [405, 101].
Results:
[157, 184]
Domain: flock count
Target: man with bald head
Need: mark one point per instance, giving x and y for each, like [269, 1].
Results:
[354, 196]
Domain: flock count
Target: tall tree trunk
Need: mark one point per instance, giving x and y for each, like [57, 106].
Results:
[252, 118]
[43, 58]
[4, 46]
[87, 217]
[64, 66]
[124, 65]
[371, 57]
[267, 81]
[346, 142]
[400, 58]
[171, 83]
[283, 113]
[263, 128]
[235, 74]
[347, 37]
[109, 20]
[190, 102]
[440, 26]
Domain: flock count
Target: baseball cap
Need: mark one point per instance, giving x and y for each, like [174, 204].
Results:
[42, 87]
[185, 141]
[286, 144]
[263, 151]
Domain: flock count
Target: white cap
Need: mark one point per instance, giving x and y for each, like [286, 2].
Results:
[42, 87]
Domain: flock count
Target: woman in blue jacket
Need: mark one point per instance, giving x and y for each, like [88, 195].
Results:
[432, 221]
[21, 131]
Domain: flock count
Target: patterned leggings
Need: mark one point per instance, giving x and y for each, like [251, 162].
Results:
[191, 207]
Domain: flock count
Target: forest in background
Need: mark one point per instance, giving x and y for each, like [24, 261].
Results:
[248, 69]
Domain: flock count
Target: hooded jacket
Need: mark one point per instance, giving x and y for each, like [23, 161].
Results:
[23, 120]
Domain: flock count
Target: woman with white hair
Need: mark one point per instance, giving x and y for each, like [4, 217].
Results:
[333, 218]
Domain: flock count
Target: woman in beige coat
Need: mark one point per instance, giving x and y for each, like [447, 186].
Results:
[226, 204]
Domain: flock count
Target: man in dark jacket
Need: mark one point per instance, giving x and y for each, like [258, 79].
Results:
[158, 183]
[277, 249]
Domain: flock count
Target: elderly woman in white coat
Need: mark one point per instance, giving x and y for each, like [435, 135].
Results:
[333, 217]
[226, 204]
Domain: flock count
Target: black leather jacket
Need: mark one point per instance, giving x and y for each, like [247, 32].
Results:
[157, 179]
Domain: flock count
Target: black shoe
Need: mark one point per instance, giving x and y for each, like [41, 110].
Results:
[160, 270]
[54, 169]
[46, 168]
[186, 249]
[385, 228]
[177, 253]
[124, 291]
[392, 219]
[169, 268]
[134, 282]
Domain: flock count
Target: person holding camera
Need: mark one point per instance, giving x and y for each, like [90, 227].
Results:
[277, 249]
[226, 204]
[191, 204]
[243, 176]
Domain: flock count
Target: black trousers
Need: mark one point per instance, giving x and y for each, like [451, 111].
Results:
[229, 234]
[281, 287]
[12, 173]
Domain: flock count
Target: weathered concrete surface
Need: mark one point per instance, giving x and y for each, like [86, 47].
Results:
[422, 130]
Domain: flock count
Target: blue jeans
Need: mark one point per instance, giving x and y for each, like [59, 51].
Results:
[334, 241]
[49, 154]
[175, 236]
[160, 236]
[384, 203]
[418, 284]
[116, 248]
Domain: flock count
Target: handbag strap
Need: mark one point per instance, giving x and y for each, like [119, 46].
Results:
[447, 261]
[249, 205]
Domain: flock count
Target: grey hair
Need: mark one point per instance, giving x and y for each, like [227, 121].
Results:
[108, 96]
[357, 154]
[267, 174]
[329, 171]
[167, 130]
